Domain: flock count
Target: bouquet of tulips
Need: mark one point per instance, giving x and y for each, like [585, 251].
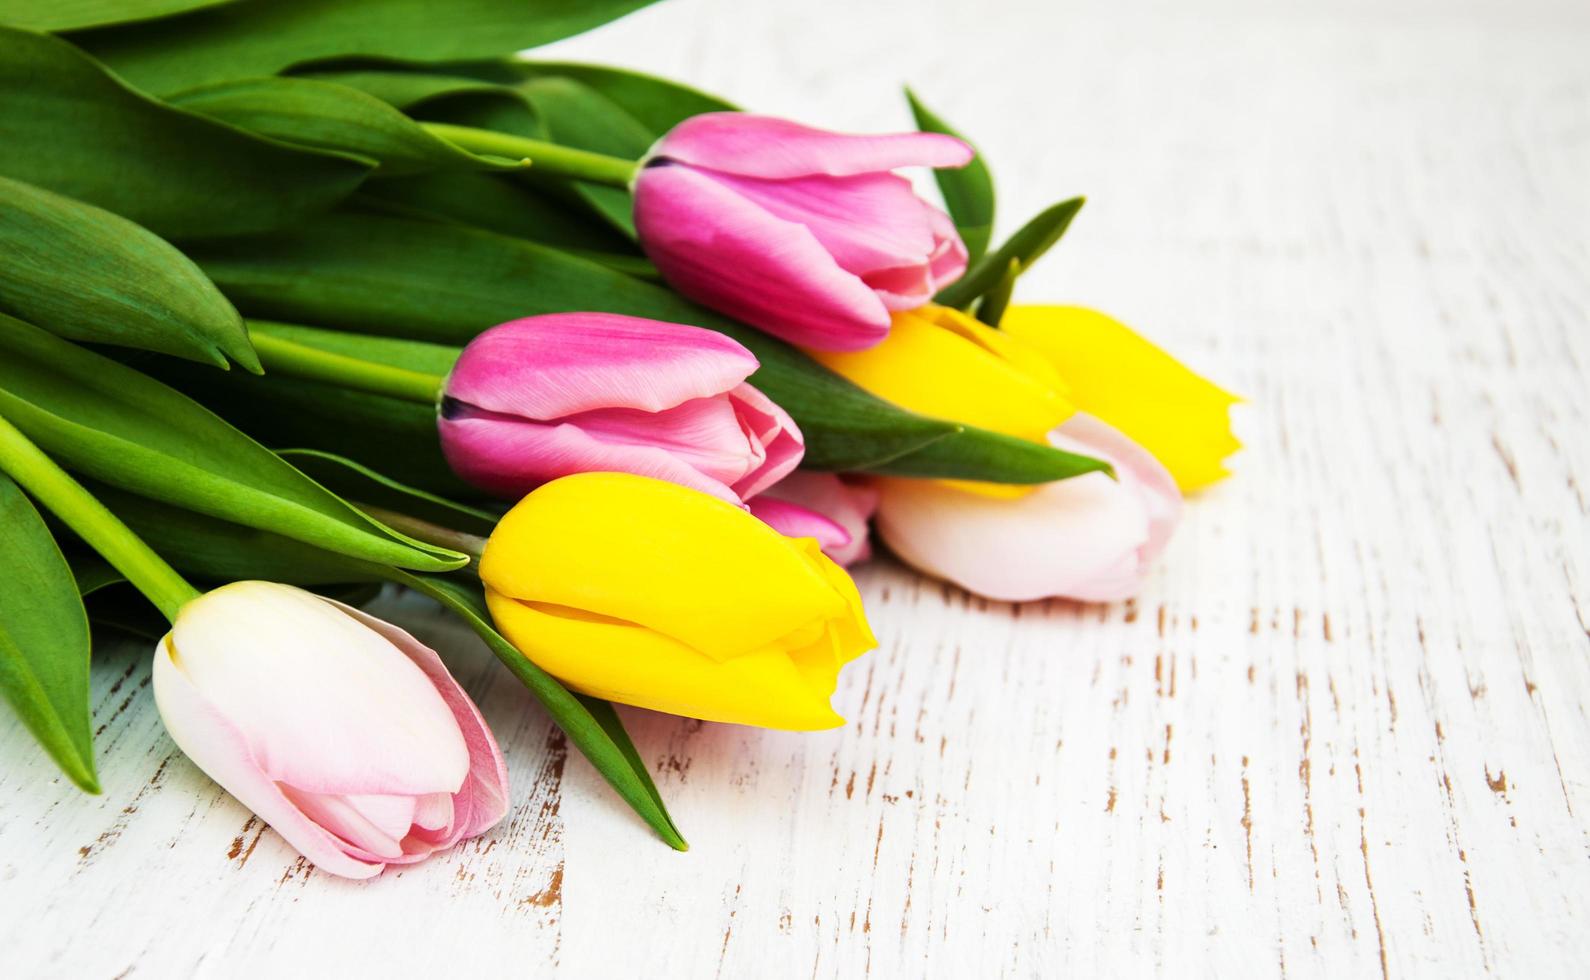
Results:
[304, 298]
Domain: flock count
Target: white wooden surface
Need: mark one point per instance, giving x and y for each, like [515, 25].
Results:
[1342, 732]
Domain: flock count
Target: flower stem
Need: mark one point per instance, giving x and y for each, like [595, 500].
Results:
[297, 360]
[549, 158]
[80, 510]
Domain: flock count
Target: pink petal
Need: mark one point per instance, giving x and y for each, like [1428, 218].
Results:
[795, 521]
[769, 427]
[327, 704]
[868, 222]
[727, 253]
[1089, 537]
[548, 367]
[850, 505]
[509, 457]
[217, 747]
[766, 146]
[433, 811]
[340, 817]
[482, 801]
[948, 262]
[704, 433]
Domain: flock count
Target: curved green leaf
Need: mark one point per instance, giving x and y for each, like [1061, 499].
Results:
[70, 126]
[991, 308]
[599, 735]
[85, 274]
[968, 191]
[355, 481]
[251, 39]
[71, 15]
[329, 116]
[656, 103]
[577, 115]
[44, 639]
[109, 422]
[445, 284]
[1024, 247]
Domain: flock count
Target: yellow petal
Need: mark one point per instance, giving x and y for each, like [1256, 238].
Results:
[649, 593]
[1118, 376]
[940, 362]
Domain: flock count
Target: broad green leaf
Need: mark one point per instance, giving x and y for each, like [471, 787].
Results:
[577, 115]
[44, 639]
[607, 716]
[445, 284]
[263, 38]
[968, 191]
[329, 116]
[977, 450]
[71, 15]
[1025, 247]
[85, 274]
[508, 207]
[656, 103]
[991, 309]
[109, 422]
[359, 483]
[71, 127]
[424, 92]
[396, 437]
[592, 733]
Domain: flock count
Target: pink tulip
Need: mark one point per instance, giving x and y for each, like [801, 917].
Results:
[804, 233]
[1089, 537]
[550, 396]
[822, 506]
[342, 732]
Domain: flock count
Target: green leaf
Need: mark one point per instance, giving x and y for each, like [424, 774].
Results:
[44, 639]
[615, 759]
[356, 482]
[71, 15]
[577, 115]
[113, 424]
[992, 307]
[430, 93]
[411, 355]
[86, 274]
[69, 126]
[1016, 460]
[92, 573]
[656, 103]
[968, 191]
[251, 39]
[508, 207]
[1025, 246]
[329, 116]
[445, 284]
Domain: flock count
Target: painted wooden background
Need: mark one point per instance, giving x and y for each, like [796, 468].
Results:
[1344, 729]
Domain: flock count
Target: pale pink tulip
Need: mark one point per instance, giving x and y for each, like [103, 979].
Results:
[804, 233]
[822, 506]
[1089, 537]
[550, 396]
[344, 733]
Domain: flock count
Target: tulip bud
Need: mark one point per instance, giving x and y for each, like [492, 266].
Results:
[548, 396]
[651, 594]
[821, 506]
[804, 233]
[344, 733]
[1089, 537]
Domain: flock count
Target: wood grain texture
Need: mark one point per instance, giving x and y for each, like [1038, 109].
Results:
[1342, 732]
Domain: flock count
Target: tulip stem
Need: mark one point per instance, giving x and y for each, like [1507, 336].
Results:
[81, 511]
[288, 357]
[544, 157]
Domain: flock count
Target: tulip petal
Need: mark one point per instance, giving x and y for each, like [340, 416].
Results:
[769, 147]
[630, 664]
[327, 704]
[218, 748]
[1128, 382]
[339, 816]
[482, 801]
[510, 457]
[724, 251]
[849, 505]
[552, 366]
[773, 432]
[794, 521]
[433, 811]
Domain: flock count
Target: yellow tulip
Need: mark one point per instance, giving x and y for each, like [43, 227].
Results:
[648, 593]
[940, 362]
[1116, 375]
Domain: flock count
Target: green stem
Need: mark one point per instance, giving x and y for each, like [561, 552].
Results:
[297, 360]
[67, 499]
[550, 158]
